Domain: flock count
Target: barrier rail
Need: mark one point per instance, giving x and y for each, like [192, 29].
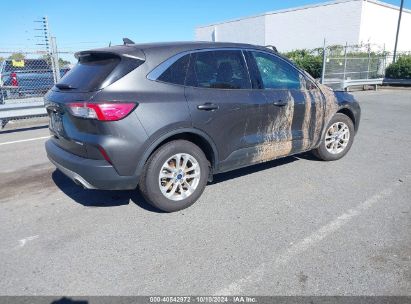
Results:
[20, 111]
[337, 84]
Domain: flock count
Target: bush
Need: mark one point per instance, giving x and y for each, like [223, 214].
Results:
[305, 59]
[401, 69]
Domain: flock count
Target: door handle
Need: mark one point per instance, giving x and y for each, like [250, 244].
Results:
[280, 102]
[208, 107]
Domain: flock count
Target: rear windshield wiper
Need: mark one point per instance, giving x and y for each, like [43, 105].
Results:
[64, 86]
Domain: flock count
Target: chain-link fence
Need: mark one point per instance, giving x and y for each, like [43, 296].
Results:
[26, 77]
[353, 62]
[356, 64]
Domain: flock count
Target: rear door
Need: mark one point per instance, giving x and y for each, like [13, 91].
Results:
[223, 104]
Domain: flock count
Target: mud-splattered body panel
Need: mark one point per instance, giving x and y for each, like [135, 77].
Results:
[293, 128]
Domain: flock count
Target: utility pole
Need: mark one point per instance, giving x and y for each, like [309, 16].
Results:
[50, 45]
[398, 31]
[55, 59]
[45, 35]
[324, 61]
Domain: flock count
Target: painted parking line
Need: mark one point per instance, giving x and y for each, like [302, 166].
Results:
[23, 140]
[257, 275]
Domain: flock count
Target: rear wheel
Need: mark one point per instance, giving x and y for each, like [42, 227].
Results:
[175, 176]
[337, 139]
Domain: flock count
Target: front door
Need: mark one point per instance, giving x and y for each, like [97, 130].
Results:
[293, 106]
[223, 104]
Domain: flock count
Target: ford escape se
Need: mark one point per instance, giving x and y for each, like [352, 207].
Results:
[167, 116]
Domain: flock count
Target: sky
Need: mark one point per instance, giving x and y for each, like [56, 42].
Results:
[80, 25]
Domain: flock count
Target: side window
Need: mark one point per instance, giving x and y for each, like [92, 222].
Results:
[176, 73]
[218, 70]
[276, 73]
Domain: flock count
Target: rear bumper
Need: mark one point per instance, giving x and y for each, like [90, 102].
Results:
[90, 173]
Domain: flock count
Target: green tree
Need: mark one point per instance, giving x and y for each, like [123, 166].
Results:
[63, 62]
[308, 60]
[401, 69]
[17, 56]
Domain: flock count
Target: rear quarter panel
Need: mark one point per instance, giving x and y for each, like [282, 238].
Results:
[162, 108]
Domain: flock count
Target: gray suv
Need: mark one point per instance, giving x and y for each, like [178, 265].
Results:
[168, 116]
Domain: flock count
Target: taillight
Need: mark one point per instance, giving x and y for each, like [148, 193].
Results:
[14, 81]
[101, 111]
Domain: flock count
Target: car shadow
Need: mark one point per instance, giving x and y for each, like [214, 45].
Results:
[99, 198]
[222, 177]
[65, 300]
[307, 156]
[102, 198]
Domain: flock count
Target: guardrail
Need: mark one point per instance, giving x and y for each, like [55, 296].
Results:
[339, 84]
[3, 92]
[390, 81]
[20, 111]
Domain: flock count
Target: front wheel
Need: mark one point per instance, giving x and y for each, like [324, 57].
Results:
[175, 176]
[337, 139]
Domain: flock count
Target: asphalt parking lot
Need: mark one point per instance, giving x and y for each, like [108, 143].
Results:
[295, 226]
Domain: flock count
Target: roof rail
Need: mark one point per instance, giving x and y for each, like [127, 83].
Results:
[272, 47]
[127, 41]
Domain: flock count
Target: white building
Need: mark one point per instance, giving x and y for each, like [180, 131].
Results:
[341, 21]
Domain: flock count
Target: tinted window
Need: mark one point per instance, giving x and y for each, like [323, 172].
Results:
[176, 73]
[90, 72]
[219, 70]
[276, 73]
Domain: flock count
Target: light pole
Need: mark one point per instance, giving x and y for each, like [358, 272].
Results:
[398, 31]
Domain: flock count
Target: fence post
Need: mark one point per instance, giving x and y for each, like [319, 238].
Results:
[345, 60]
[55, 59]
[385, 60]
[369, 59]
[324, 57]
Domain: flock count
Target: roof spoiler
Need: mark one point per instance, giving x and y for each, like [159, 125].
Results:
[118, 51]
[127, 41]
[272, 47]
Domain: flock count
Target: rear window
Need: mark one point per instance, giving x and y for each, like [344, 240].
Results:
[176, 73]
[27, 65]
[90, 72]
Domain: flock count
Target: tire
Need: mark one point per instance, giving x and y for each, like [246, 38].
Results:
[183, 197]
[323, 152]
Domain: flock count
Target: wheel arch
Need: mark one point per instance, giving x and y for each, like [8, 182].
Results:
[346, 111]
[342, 110]
[199, 138]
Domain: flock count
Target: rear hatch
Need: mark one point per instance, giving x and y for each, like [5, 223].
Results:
[95, 70]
